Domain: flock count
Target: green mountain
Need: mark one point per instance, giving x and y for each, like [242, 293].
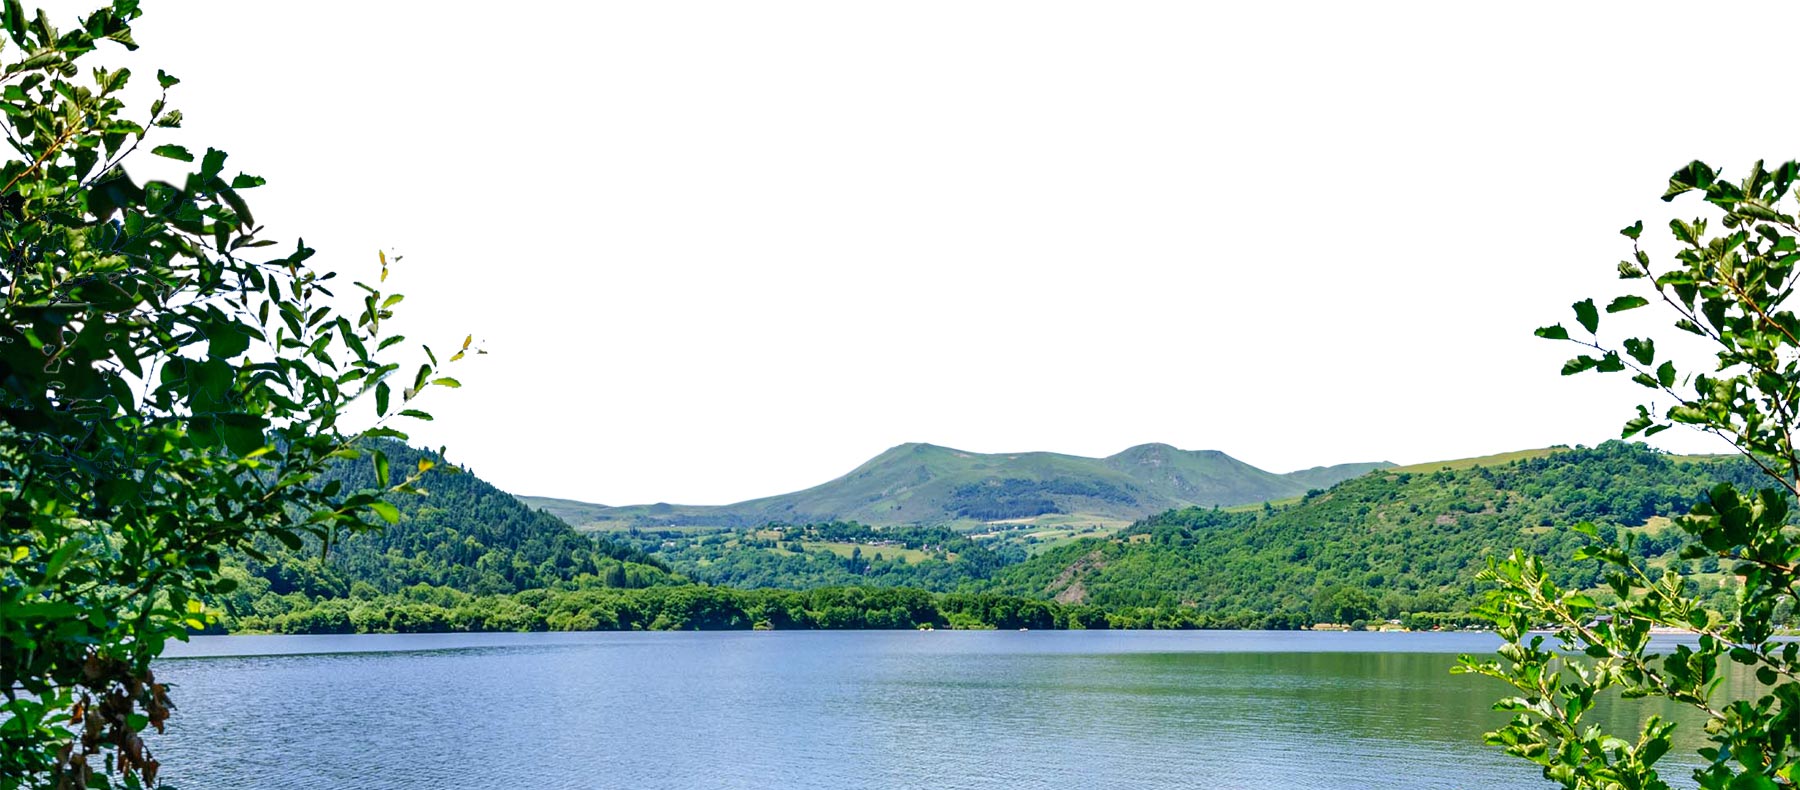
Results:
[464, 534]
[1400, 542]
[923, 484]
[1380, 544]
[1377, 545]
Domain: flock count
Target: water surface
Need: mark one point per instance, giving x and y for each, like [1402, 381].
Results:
[821, 710]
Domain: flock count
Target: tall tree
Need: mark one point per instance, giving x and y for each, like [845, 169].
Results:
[1727, 283]
[168, 390]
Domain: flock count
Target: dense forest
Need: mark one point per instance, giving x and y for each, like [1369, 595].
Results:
[992, 500]
[1384, 546]
[826, 555]
[683, 607]
[463, 535]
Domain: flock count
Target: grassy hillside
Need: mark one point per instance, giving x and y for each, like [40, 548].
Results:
[569, 510]
[1380, 544]
[923, 484]
[1497, 459]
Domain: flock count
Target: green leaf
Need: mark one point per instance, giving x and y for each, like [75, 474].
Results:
[381, 468]
[1697, 175]
[386, 511]
[166, 80]
[225, 341]
[1552, 332]
[212, 163]
[173, 152]
[1624, 303]
[382, 393]
[242, 433]
[1753, 781]
[1587, 315]
[1665, 374]
[1579, 364]
[1633, 230]
[446, 381]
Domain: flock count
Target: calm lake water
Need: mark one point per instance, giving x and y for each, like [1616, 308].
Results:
[837, 711]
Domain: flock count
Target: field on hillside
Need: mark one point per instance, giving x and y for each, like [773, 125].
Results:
[1491, 461]
[1042, 533]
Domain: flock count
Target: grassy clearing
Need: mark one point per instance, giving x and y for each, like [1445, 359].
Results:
[1041, 533]
[1499, 459]
[1704, 458]
[1654, 525]
[626, 526]
[1293, 500]
[843, 549]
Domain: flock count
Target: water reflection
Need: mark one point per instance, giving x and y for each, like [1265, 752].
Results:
[847, 710]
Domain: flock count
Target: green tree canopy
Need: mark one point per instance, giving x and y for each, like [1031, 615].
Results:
[170, 389]
[1727, 283]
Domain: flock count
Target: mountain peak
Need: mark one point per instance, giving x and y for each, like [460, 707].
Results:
[920, 483]
[1156, 451]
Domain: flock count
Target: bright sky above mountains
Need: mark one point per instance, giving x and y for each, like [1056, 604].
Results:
[720, 249]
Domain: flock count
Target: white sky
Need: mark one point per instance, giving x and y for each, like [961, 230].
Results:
[725, 249]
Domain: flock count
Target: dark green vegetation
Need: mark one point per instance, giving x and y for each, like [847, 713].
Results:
[170, 393]
[831, 554]
[922, 484]
[462, 533]
[1728, 287]
[680, 607]
[1387, 545]
[464, 556]
[1380, 545]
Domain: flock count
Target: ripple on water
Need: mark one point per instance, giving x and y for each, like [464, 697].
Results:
[837, 711]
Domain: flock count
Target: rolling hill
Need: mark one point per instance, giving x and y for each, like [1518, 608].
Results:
[924, 484]
[464, 534]
[1389, 542]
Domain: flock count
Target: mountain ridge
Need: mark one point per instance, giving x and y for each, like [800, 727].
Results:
[917, 483]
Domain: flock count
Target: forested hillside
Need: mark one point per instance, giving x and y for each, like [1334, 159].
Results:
[829, 555]
[463, 535]
[1379, 545]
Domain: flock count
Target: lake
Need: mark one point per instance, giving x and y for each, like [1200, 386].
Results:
[822, 710]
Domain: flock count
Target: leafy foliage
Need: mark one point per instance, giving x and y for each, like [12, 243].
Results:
[1727, 288]
[167, 397]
